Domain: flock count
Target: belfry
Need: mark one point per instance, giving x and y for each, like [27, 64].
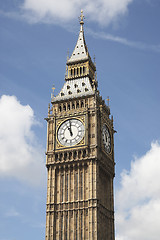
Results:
[80, 155]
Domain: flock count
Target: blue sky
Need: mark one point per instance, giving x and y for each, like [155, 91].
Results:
[34, 39]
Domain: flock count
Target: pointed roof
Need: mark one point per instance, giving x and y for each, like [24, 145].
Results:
[83, 82]
[80, 51]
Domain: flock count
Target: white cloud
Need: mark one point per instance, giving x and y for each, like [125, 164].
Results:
[124, 41]
[101, 11]
[21, 156]
[138, 199]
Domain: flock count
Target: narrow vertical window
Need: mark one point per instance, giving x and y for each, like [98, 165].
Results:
[81, 226]
[61, 227]
[66, 226]
[67, 187]
[76, 186]
[76, 226]
[64, 107]
[77, 105]
[81, 185]
[62, 187]
[93, 226]
[80, 70]
[82, 104]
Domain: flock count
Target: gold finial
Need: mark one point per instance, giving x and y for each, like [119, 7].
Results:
[52, 94]
[81, 17]
[108, 101]
[53, 88]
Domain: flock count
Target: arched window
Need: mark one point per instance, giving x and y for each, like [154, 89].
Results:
[79, 154]
[70, 155]
[80, 70]
[84, 153]
[82, 104]
[64, 107]
[65, 156]
[61, 156]
[77, 105]
[75, 154]
[56, 157]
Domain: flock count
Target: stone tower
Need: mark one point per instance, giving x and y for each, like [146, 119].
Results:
[80, 155]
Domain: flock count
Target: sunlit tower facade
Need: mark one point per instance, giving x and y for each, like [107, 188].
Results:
[80, 155]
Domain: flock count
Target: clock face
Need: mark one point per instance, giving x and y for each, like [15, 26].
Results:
[106, 138]
[70, 132]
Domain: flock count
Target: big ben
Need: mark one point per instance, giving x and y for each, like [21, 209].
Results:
[80, 155]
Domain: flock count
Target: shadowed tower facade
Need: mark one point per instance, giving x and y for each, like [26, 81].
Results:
[80, 155]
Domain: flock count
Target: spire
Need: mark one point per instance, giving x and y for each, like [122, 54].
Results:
[80, 51]
[80, 71]
[80, 63]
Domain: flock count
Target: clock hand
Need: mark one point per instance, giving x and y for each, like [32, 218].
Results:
[70, 131]
[69, 128]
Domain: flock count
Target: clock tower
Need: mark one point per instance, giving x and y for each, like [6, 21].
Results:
[80, 155]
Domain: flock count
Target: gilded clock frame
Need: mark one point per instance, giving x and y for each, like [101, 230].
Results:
[59, 122]
[103, 148]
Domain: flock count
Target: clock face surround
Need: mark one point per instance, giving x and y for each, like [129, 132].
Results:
[106, 137]
[70, 132]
